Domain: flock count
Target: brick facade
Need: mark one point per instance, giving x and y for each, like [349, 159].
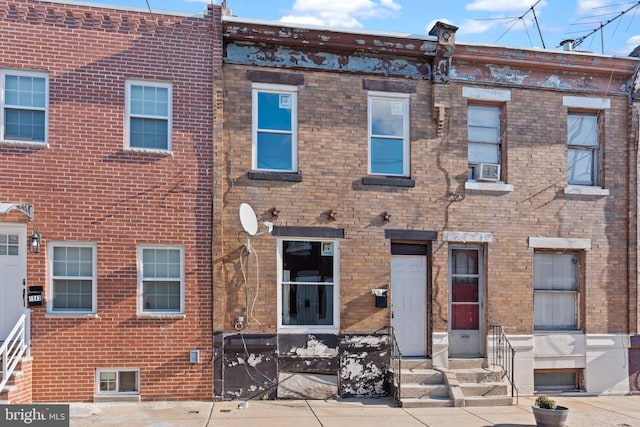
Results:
[333, 172]
[86, 187]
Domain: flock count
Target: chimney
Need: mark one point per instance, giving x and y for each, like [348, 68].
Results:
[567, 44]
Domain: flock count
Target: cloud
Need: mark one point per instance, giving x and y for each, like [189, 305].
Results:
[586, 7]
[504, 5]
[631, 44]
[471, 26]
[340, 13]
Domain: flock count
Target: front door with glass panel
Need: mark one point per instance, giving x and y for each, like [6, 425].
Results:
[465, 301]
[13, 271]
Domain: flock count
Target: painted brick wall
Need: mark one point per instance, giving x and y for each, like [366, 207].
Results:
[332, 125]
[85, 187]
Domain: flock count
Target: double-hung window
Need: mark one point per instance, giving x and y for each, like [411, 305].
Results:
[275, 127]
[485, 142]
[161, 287]
[388, 133]
[148, 115]
[583, 153]
[309, 292]
[556, 290]
[24, 99]
[73, 277]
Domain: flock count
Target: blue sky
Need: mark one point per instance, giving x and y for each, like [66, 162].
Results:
[503, 22]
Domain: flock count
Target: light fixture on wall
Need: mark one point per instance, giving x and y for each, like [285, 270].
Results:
[34, 243]
[386, 216]
[331, 215]
[275, 212]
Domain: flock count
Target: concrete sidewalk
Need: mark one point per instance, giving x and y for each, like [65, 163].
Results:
[601, 411]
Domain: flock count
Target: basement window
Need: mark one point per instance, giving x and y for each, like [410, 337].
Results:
[118, 381]
[557, 380]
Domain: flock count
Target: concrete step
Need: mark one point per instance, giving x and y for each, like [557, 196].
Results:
[416, 363]
[488, 401]
[480, 375]
[424, 390]
[467, 363]
[434, 402]
[484, 389]
[421, 376]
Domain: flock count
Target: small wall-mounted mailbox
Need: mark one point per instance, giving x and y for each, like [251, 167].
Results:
[381, 297]
[34, 296]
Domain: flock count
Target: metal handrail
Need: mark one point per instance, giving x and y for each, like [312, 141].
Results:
[15, 346]
[395, 362]
[503, 355]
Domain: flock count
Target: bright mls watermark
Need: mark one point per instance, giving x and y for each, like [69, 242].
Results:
[34, 415]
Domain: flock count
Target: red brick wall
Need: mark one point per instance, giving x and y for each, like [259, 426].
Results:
[86, 188]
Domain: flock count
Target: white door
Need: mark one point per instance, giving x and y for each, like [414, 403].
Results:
[465, 301]
[409, 303]
[13, 271]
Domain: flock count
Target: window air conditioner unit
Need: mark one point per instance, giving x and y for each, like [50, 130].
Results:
[488, 172]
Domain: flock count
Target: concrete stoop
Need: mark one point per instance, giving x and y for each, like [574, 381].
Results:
[467, 382]
[17, 390]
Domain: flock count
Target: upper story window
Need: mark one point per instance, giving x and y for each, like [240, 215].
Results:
[161, 286]
[73, 277]
[148, 115]
[388, 134]
[24, 100]
[275, 127]
[309, 292]
[583, 151]
[485, 142]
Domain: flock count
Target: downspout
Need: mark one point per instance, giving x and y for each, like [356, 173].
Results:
[634, 138]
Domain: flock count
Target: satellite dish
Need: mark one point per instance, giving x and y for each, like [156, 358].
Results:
[248, 219]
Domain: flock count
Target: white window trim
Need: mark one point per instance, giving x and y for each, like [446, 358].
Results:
[559, 243]
[37, 74]
[482, 94]
[586, 190]
[94, 280]
[117, 371]
[156, 314]
[586, 102]
[467, 237]
[406, 116]
[274, 88]
[500, 187]
[128, 115]
[335, 328]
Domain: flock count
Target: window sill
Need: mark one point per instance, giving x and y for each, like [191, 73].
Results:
[23, 144]
[488, 186]
[116, 398]
[585, 190]
[543, 332]
[275, 176]
[56, 314]
[390, 181]
[307, 330]
[148, 151]
[161, 316]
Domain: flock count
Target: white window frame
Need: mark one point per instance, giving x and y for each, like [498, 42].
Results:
[141, 280]
[500, 143]
[3, 106]
[291, 90]
[596, 150]
[129, 115]
[406, 116]
[117, 372]
[94, 279]
[576, 292]
[335, 327]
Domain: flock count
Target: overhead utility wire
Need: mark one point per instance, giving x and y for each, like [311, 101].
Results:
[579, 41]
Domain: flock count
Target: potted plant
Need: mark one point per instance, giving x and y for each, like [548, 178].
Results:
[548, 414]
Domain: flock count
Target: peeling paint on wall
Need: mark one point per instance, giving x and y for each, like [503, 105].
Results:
[355, 63]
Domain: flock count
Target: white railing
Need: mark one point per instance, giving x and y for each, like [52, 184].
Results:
[15, 346]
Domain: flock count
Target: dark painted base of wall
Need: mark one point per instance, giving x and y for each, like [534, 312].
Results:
[272, 366]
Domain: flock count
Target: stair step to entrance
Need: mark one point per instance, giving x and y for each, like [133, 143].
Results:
[479, 375]
[421, 376]
[435, 402]
[470, 363]
[488, 401]
[484, 389]
[417, 363]
[424, 390]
